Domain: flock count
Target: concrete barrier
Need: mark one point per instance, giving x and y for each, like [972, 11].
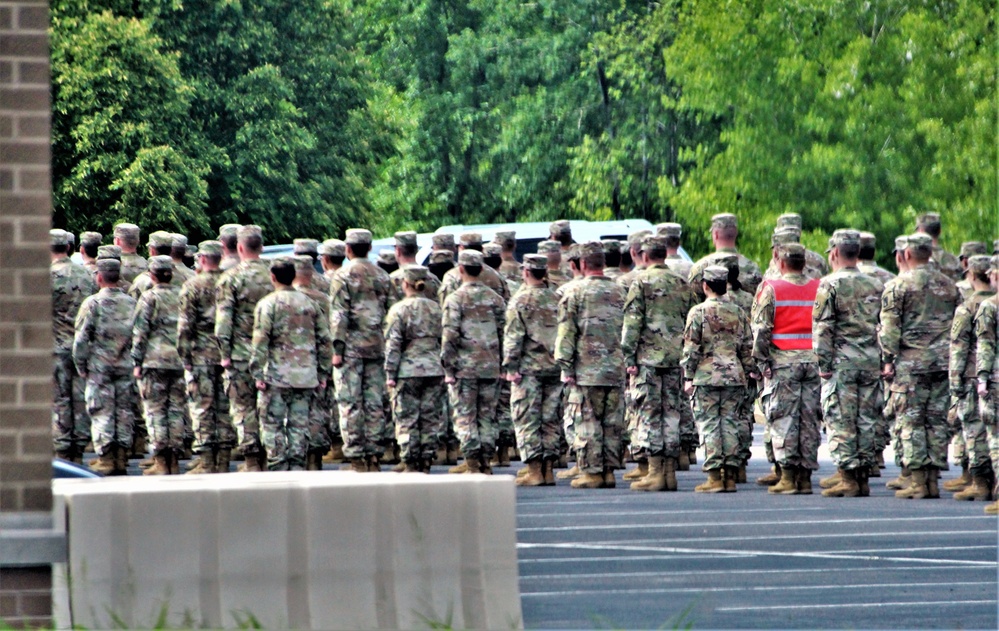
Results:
[332, 550]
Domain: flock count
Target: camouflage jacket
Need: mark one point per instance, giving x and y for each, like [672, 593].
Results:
[625, 280]
[319, 299]
[132, 265]
[717, 345]
[429, 291]
[531, 329]
[872, 269]
[815, 267]
[196, 342]
[763, 313]
[71, 285]
[413, 339]
[510, 270]
[916, 316]
[320, 283]
[963, 343]
[144, 282]
[228, 262]
[489, 277]
[291, 341]
[360, 295]
[986, 337]
[559, 277]
[679, 265]
[965, 289]
[655, 312]
[472, 323]
[947, 263]
[740, 298]
[154, 332]
[104, 334]
[613, 273]
[236, 296]
[749, 272]
[181, 274]
[845, 321]
[590, 320]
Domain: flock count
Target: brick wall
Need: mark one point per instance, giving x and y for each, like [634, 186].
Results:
[25, 310]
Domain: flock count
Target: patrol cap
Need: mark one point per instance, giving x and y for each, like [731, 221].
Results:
[303, 263]
[979, 263]
[229, 230]
[90, 238]
[867, 239]
[440, 257]
[973, 248]
[415, 273]
[493, 250]
[58, 237]
[282, 261]
[160, 239]
[306, 246]
[635, 238]
[405, 238]
[901, 244]
[178, 241]
[535, 261]
[108, 252]
[192, 250]
[572, 252]
[654, 242]
[333, 247]
[127, 231]
[72, 237]
[471, 239]
[470, 257]
[792, 250]
[783, 236]
[109, 265]
[789, 219]
[358, 236]
[505, 237]
[560, 227]
[921, 243]
[724, 220]
[715, 273]
[250, 231]
[928, 220]
[210, 248]
[611, 245]
[590, 248]
[160, 263]
[549, 247]
[844, 237]
[669, 230]
[387, 257]
[443, 241]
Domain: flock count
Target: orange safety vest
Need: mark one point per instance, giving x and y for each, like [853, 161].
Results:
[793, 315]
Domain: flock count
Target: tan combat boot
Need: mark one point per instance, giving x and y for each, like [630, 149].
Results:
[804, 481]
[860, 475]
[933, 483]
[461, 468]
[917, 487]
[547, 468]
[683, 462]
[222, 460]
[503, 456]
[610, 481]
[730, 475]
[959, 483]
[669, 472]
[832, 481]
[771, 478]
[535, 476]
[103, 464]
[903, 480]
[655, 480]
[441, 457]
[692, 455]
[161, 464]
[472, 465]
[174, 460]
[638, 472]
[206, 463]
[979, 489]
[740, 477]
[847, 486]
[335, 454]
[401, 467]
[992, 509]
[787, 484]
[359, 465]
[569, 474]
[514, 454]
[714, 484]
[588, 481]
[138, 446]
[485, 467]
[374, 466]
[452, 455]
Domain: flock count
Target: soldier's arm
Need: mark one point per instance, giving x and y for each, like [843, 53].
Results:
[764, 308]
[824, 327]
[891, 323]
[634, 322]
[393, 343]
[225, 303]
[324, 346]
[565, 342]
[450, 336]
[985, 332]
[499, 314]
[696, 273]
[84, 333]
[745, 350]
[513, 338]
[185, 326]
[263, 324]
[339, 314]
[692, 351]
[142, 319]
[960, 347]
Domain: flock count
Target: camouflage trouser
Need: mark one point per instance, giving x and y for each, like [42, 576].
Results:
[112, 410]
[882, 424]
[473, 403]
[746, 421]
[569, 415]
[989, 413]
[504, 422]
[333, 420]
[599, 424]
[209, 409]
[418, 409]
[284, 426]
[972, 429]
[716, 410]
[242, 391]
[688, 428]
[163, 402]
[792, 407]
[534, 404]
[921, 412]
[140, 429]
[319, 420]
[658, 400]
[632, 414]
[70, 421]
[851, 407]
[894, 429]
[360, 391]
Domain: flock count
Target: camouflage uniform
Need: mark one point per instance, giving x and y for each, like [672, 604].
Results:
[71, 285]
[844, 329]
[154, 349]
[588, 350]
[528, 351]
[916, 317]
[320, 404]
[292, 352]
[131, 263]
[412, 359]
[987, 366]
[679, 265]
[236, 296]
[872, 269]
[489, 277]
[749, 272]
[199, 352]
[226, 232]
[101, 352]
[430, 290]
[470, 353]
[359, 298]
[655, 312]
[717, 358]
[947, 263]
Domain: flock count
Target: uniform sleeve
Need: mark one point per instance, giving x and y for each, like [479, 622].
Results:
[565, 342]
[764, 308]
[186, 333]
[84, 326]
[985, 332]
[450, 336]
[696, 274]
[339, 314]
[513, 338]
[499, 313]
[891, 325]
[824, 327]
[692, 352]
[225, 303]
[393, 341]
[142, 319]
[960, 347]
[324, 345]
[263, 322]
[634, 322]
[745, 350]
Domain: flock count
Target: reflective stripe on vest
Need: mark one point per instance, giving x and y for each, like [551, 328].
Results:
[793, 313]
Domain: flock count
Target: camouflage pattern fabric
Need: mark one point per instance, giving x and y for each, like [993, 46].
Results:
[131, 266]
[321, 405]
[154, 333]
[291, 341]
[110, 398]
[987, 335]
[792, 395]
[359, 300]
[284, 426]
[473, 406]
[716, 412]
[163, 401]
[418, 411]
[588, 345]
[228, 262]
[209, 408]
[947, 263]
[236, 296]
[815, 267]
[749, 272]
[921, 403]
[717, 345]
[534, 408]
[873, 269]
[970, 433]
[473, 321]
[71, 285]
[488, 277]
[679, 265]
[412, 333]
[598, 425]
[429, 291]
[360, 389]
[103, 336]
[658, 399]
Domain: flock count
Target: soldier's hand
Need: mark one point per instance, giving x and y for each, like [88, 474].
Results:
[390, 383]
[514, 377]
[322, 384]
[825, 375]
[767, 373]
[888, 372]
[137, 371]
[227, 363]
[83, 375]
[569, 381]
[188, 367]
[261, 385]
[632, 370]
[450, 380]
[983, 390]
[337, 361]
[688, 387]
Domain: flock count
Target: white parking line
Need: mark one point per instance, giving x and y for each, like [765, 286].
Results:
[919, 603]
[741, 589]
[672, 575]
[748, 524]
[832, 535]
